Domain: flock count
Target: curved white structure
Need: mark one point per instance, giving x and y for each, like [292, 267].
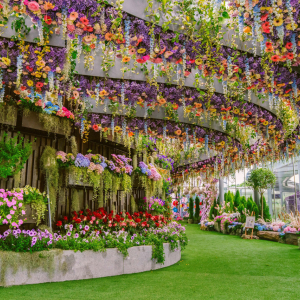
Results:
[63, 265]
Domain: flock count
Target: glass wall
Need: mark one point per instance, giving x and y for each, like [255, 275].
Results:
[282, 197]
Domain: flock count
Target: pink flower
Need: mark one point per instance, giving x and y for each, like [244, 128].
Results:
[12, 212]
[8, 217]
[146, 57]
[23, 212]
[39, 103]
[33, 6]
[14, 224]
[5, 221]
[70, 27]
[14, 207]
[20, 204]
[20, 222]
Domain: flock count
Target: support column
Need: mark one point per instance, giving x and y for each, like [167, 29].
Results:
[256, 194]
[280, 187]
[270, 201]
[221, 191]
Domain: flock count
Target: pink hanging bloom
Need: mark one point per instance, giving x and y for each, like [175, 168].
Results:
[33, 6]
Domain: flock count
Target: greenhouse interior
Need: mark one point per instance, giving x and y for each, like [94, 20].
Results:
[149, 149]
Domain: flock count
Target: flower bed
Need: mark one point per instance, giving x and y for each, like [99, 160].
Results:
[151, 241]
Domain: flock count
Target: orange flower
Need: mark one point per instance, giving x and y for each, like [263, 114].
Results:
[198, 105]
[105, 129]
[108, 36]
[46, 69]
[126, 59]
[48, 6]
[87, 39]
[73, 16]
[247, 29]
[130, 133]
[161, 101]
[178, 132]
[269, 50]
[103, 93]
[80, 25]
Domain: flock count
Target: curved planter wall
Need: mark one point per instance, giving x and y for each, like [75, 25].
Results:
[62, 265]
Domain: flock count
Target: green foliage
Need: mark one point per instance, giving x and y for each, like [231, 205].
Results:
[191, 208]
[197, 210]
[225, 197]
[126, 183]
[261, 179]
[241, 209]
[243, 201]
[167, 206]
[49, 167]
[255, 210]
[14, 152]
[236, 199]
[266, 211]
[230, 201]
[250, 203]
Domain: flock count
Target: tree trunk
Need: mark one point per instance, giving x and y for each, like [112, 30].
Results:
[262, 206]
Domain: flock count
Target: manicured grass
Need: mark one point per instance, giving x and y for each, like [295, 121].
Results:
[214, 266]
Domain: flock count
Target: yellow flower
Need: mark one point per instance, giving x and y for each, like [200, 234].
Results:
[29, 82]
[198, 61]
[141, 50]
[117, 128]
[38, 74]
[236, 111]
[265, 123]
[290, 27]
[278, 22]
[6, 61]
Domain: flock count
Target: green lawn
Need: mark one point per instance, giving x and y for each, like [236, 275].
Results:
[214, 266]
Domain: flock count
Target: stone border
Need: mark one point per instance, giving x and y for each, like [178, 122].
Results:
[62, 265]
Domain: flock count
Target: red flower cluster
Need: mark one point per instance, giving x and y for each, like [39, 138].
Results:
[101, 219]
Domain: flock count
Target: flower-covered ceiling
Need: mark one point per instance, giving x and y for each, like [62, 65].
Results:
[174, 97]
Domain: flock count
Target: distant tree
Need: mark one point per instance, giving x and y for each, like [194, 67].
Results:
[236, 199]
[266, 209]
[197, 209]
[191, 208]
[261, 180]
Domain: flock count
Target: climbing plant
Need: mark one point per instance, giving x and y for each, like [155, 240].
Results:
[14, 152]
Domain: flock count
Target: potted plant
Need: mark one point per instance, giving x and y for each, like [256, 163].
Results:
[191, 211]
[35, 204]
